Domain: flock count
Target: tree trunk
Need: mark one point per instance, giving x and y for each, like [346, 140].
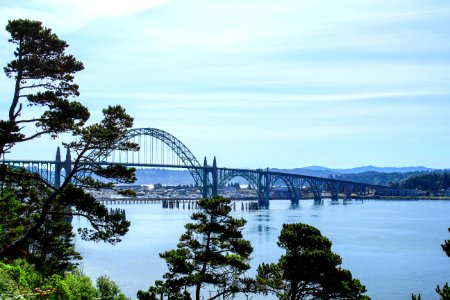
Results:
[197, 291]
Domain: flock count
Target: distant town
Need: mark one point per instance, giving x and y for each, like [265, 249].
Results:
[180, 191]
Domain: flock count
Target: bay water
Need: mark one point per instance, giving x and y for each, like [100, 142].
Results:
[392, 247]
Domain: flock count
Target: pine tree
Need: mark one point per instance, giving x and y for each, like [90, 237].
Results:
[212, 255]
[308, 270]
[31, 224]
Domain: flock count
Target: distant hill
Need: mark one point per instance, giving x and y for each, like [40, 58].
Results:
[163, 176]
[370, 168]
[320, 171]
[323, 172]
[317, 168]
[383, 169]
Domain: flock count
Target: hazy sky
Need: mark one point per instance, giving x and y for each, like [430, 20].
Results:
[286, 83]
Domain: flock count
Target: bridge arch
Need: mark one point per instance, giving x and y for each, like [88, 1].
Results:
[291, 186]
[316, 187]
[334, 188]
[156, 140]
[227, 176]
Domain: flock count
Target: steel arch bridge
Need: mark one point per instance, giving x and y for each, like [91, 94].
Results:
[159, 148]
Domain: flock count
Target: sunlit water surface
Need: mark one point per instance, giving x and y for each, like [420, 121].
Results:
[393, 247]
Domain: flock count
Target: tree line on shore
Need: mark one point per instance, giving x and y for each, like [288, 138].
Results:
[38, 259]
[432, 182]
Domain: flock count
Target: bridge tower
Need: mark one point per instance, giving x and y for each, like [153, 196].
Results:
[205, 179]
[263, 188]
[68, 162]
[214, 176]
[210, 189]
[60, 165]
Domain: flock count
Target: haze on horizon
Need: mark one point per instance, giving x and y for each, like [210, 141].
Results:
[279, 84]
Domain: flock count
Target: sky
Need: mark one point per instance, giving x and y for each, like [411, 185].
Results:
[280, 84]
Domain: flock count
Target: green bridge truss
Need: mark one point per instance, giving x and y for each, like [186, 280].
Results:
[159, 148]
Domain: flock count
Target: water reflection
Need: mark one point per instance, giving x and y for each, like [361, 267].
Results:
[294, 206]
[262, 218]
[318, 202]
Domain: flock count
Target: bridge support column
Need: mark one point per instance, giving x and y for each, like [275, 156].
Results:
[294, 195]
[348, 192]
[205, 179]
[58, 168]
[334, 191]
[267, 189]
[263, 189]
[60, 165]
[298, 193]
[68, 162]
[316, 188]
[214, 178]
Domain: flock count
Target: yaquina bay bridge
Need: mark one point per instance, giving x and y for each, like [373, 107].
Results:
[161, 149]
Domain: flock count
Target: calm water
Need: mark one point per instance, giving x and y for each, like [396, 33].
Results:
[393, 247]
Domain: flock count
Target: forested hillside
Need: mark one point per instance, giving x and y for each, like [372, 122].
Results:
[378, 178]
[425, 181]
[428, 182]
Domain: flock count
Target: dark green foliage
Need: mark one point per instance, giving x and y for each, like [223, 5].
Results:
[444, 293]
[236, 185]
[308, 270]
[34, 214]
[428, 182]
[19, 280]
[211, 254]
[446, 246]
[105, 226]
[51, 249]
[425, 181]
[378, 178]
[157, 186]
[43, 75]
[108, 289]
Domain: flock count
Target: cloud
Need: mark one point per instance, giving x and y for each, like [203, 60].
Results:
[70, 15]
[249, 100]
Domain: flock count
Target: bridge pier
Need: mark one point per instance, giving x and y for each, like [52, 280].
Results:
[316, 188]
[295, 195]
[214, 178]
[348, 192]
[58, 167]
[263, 189]
[68, 163]
[210, 189]
[205, 179]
